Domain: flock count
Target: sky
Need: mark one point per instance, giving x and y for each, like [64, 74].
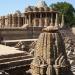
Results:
[10, 6]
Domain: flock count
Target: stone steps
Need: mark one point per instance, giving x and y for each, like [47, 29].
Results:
[14, 58]
[13, 64]
[12, 55]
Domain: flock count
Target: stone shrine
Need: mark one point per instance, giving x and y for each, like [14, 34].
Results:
[50, 55]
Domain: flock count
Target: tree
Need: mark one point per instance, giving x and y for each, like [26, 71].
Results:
[68, 10]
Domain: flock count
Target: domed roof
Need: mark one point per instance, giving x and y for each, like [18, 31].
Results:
[35, 9]
[41, 4]
[18, 12]
[41, 9]
[29, 8]
[46, 8]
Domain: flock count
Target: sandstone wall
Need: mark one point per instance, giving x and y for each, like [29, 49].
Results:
[20, 33]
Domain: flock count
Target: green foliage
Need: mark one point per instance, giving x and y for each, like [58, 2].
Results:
[68, 10]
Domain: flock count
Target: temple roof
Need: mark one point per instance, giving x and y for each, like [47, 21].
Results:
[41, 4]
[18, 12]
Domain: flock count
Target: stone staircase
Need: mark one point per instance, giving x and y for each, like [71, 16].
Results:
[14, 60]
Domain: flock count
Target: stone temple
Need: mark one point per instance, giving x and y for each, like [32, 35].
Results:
[48, 54]
[34, 16]
[25, 25]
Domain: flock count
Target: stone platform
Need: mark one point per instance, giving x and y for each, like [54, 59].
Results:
[6, 50]
[10, 57]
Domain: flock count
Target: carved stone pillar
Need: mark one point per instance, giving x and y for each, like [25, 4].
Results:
[13, 21]
[10, 20]
[25, 19]
[35, 20]
[29, 19]
[46, 21]
[56, 20]
[40, 21]
[51, 19]
[19, 19]
[0, 22]
[16, 21]
[6, 21]
[3, 21]
[62, 21]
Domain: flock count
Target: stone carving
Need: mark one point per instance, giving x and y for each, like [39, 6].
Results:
[21, 45]
[69, 46]
[50, 56]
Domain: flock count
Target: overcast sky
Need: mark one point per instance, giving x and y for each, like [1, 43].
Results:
[10, 6]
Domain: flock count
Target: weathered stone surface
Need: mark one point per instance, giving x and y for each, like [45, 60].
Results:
[50, 52]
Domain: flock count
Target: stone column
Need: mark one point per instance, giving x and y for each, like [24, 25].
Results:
[25, 19]
[7, 21]
[62, 21]
[51, 24]
[56, 20]
[3, 21]
[0, 21]
[34, 20]
[40, 21]
[13, 21]
[19, 19]
[46, 21]
[16, 21]
[29, 19]
[10, 20]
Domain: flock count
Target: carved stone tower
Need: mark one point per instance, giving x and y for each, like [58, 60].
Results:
[49, 55]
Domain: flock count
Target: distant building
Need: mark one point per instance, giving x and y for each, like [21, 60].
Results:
[28, 25]
[34, 16]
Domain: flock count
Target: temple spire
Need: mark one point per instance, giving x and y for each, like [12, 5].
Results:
[41, 3]
[50, 49]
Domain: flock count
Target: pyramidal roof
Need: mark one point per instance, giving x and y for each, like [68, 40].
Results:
[41, 3]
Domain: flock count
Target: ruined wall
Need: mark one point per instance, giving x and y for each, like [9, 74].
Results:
[20, 33]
